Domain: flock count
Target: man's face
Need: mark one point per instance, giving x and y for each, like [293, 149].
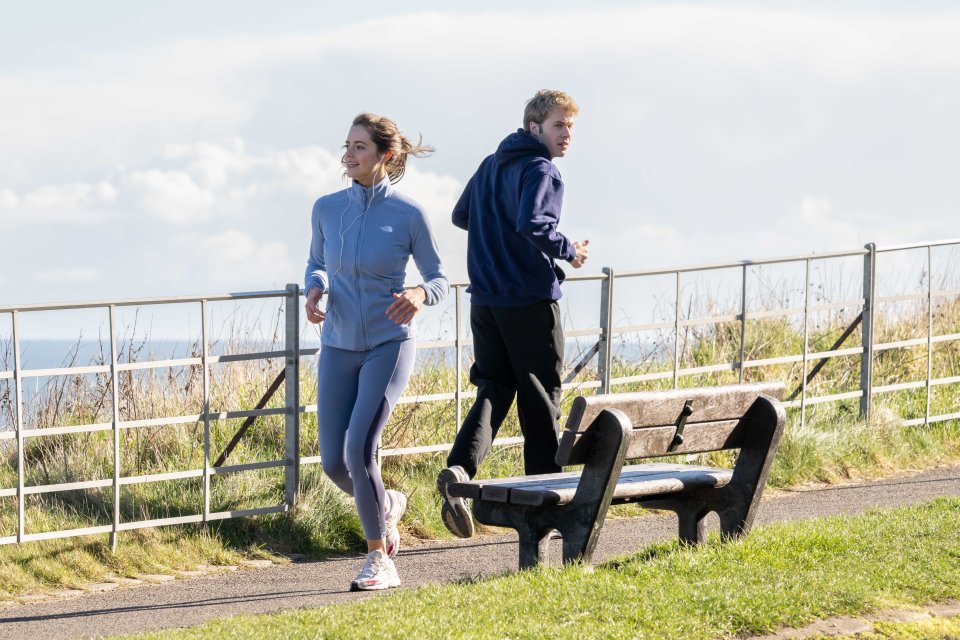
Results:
[556, 132]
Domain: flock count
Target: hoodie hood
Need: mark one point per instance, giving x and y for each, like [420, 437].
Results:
[520, 144]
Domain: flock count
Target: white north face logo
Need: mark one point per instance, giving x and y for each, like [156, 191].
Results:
[387, 228]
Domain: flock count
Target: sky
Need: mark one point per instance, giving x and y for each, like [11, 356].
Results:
[156, 149]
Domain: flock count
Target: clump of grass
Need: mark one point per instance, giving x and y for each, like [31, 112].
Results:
[840, 447]
[49, 565]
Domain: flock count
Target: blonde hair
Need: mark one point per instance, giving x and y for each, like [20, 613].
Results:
[387, 137]
[539, 106]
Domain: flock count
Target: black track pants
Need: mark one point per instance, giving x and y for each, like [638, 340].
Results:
[518, 351]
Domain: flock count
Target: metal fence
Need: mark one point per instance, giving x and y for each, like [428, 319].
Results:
[599, 378]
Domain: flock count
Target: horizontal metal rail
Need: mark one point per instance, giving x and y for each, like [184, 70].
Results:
[602, 350]
[140, 302]
[144, 524]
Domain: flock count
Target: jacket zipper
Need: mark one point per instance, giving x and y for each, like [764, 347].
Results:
[356, 269]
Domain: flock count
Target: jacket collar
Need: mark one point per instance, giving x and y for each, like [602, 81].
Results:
[369, 196]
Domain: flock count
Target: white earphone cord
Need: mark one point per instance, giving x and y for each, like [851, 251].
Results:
[343, 231]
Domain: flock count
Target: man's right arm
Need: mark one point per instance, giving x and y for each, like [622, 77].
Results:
[461, 212]
[541, 198]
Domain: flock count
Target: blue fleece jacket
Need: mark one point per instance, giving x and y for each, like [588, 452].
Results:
[510, 209]
[362, 240]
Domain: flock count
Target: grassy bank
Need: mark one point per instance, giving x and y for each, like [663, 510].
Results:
[783, 575]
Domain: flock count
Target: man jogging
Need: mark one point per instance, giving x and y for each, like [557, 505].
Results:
[510, 209]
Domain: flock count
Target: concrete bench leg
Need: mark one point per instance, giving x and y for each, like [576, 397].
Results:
[533, 527]
[579, 521]
[691, 526]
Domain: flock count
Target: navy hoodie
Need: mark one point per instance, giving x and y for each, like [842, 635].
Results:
[510, 209]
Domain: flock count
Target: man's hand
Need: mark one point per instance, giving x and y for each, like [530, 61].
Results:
[312, 306]
[406, 305]
[582, 252]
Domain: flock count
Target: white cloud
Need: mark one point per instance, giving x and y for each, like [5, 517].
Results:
[171, 195]
[67, 276]
[817, 221]
[212, 164]
[70, 196]
[80, 203]
[222, 79]
[824, 42]
[236, 256]
[8, 199]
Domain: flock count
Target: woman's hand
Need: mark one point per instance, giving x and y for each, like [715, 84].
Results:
[406, 305]
[312, 306]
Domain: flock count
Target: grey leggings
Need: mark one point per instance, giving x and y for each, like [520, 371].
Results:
[357, 390]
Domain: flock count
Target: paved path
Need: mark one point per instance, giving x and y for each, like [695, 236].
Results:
[316, 583]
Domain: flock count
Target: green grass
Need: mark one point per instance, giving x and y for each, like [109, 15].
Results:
[73, 563]
[784, 575]
[832, 445]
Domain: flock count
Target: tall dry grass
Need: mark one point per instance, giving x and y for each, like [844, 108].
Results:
[831, 444]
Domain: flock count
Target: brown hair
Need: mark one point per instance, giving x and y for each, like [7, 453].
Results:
[385, 135]
[539, 106]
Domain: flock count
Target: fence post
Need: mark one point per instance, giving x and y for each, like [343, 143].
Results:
[115, 394]
[743, 321]
[676, 330]
[458, 361]
[18, 389]
[866, 329]
[926, 413]
[806, 343]
[605, 355]
[205, 364]
[292, 401]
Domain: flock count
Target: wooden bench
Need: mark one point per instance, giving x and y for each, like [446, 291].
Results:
[605, 430]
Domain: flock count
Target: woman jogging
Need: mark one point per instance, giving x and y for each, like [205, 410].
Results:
[362, 239]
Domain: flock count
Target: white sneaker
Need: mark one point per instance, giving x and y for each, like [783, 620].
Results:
[397, 505]
[378, 572]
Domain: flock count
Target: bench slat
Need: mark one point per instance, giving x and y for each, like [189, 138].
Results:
[651, 442]
[645, 408]
[635, 482]
[632, 486]
[474, 488]
[497, 489]
[559, 488]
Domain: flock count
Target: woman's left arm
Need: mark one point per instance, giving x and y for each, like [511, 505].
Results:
[435, 285]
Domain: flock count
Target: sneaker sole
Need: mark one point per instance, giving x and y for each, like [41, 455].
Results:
[357, 586]
[454, 513]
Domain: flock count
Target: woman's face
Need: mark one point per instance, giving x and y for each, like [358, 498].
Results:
[361, 158]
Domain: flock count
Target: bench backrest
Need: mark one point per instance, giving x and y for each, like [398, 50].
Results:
[714, 422]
